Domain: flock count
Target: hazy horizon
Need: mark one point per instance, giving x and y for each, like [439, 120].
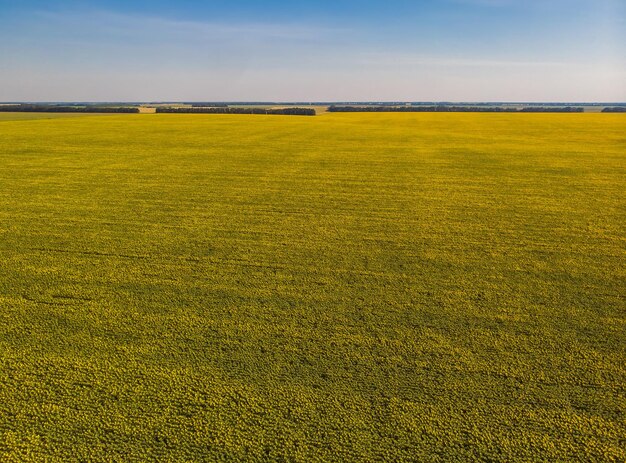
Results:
[445, 50]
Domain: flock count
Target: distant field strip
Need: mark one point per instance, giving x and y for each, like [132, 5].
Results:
[349, 287]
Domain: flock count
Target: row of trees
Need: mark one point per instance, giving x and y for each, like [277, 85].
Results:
[453, 109]
[415, 109]
[615, 109]
[552, 109]
[228, 110]
[208, 105]
[34, 108]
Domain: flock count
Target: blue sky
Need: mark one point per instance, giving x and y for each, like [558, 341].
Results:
[452, 50]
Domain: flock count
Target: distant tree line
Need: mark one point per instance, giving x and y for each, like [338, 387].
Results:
[550, 109]
[487, 103]
[452, 109]
[418, 109]
[615, 109]
[34, 108]
[228, 110]
[208, 105]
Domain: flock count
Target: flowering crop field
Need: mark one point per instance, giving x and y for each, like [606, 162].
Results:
[347, 287]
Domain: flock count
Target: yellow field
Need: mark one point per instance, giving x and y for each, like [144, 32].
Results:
[354, 287]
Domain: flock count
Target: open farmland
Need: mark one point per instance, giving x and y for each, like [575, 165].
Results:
[347, 287]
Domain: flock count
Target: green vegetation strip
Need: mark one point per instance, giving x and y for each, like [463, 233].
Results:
[230, 110]
[52, 108]
[353, 287]
[25, 116]
[454, 109]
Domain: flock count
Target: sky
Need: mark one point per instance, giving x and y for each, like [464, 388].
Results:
[313, 50]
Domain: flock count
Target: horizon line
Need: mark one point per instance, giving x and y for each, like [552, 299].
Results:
[314, 102]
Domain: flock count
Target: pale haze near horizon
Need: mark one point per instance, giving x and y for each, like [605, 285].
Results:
[447, 50]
